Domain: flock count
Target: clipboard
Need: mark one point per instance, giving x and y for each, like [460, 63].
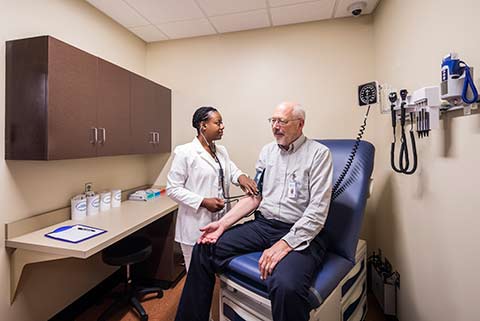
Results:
[75, 233]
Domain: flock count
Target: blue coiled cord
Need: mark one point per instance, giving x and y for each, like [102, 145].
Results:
[469, 82]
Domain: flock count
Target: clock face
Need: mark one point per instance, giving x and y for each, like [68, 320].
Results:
[367, 94]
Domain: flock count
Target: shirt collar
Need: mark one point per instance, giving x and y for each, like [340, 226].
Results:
[295, 145]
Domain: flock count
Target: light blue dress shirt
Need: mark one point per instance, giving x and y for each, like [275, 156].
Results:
[297, 187]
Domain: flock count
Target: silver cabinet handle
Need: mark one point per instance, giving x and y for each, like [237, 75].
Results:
[104, 135]
[157, 135]
[152, 137]
[95, 135]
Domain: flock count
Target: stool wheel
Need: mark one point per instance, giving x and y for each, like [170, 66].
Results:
[144, 318]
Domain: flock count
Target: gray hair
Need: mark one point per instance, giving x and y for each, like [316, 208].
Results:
[298, 111]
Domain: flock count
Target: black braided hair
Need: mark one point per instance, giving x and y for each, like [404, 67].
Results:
[201, 114]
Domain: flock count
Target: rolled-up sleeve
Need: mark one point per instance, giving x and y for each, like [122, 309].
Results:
[314, 217]
[176, 180]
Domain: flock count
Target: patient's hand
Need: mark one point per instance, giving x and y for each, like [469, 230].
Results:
[211, 233]
[271, 256]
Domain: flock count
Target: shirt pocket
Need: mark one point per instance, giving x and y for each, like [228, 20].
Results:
[301, 178]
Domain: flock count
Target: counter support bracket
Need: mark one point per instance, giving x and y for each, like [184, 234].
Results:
[19, 259]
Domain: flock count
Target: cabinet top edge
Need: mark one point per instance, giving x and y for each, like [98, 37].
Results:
[51, 38]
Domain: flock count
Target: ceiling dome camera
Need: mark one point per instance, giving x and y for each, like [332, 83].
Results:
[357, 8]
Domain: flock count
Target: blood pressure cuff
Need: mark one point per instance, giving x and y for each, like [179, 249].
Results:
[259, 180]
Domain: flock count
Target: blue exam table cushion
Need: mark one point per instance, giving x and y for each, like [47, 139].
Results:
[244, 271]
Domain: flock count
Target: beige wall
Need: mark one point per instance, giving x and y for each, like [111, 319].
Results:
[29, 188]
[428, 223]
[246, 74]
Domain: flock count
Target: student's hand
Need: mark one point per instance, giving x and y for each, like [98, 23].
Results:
[248, 185]
[213, 204]
[270, 258]
[211, 233]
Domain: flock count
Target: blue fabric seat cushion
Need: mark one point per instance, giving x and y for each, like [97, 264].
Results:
[244, 271]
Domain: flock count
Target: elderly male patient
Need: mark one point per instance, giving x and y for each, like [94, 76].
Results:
[287, 226]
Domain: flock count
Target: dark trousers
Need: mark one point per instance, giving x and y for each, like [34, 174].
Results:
[288, 285]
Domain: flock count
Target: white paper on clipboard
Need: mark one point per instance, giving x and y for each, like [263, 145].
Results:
[75, 233]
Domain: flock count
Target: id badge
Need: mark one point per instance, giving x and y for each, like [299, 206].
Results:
[292, 187]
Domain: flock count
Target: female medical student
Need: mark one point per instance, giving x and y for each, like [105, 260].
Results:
[199, 179]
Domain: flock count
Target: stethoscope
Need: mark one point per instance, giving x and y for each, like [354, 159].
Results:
[221, 176]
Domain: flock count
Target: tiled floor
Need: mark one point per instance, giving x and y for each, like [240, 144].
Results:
[164, 309]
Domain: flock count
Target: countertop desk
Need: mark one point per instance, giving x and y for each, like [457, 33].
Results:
[34, 247]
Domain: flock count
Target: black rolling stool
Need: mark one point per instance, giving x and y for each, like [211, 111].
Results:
[124, 253]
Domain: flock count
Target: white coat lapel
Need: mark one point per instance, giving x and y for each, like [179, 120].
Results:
[203, 153]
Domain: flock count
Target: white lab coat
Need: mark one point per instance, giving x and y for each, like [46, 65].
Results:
[192, 177]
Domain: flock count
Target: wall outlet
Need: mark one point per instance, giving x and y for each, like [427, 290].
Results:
[88, 187]
[385, 90]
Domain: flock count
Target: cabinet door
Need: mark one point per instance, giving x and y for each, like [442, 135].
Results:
[145, 115]
[25, 98]
[72, 101]
[113, 115]
[163, 101]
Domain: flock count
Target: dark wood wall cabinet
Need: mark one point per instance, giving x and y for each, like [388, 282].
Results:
[64, 103]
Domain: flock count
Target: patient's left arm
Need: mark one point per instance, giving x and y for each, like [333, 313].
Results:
[212, 231]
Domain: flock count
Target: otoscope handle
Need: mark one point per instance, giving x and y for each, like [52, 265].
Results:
[403, 96]
[403, 114]
[394, 117]
[392, 96]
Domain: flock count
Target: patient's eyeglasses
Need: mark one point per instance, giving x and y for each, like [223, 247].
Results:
[280, 121]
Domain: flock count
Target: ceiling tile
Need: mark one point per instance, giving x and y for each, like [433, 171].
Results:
[148, 33]
[343, 6]
[120, 12]
[278, 3]
[185, 29]
[221, 7]
[164, 11]
[241, 21]
[304, 12]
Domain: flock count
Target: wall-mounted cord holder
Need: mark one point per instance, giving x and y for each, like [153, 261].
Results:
[421, 110]
[423, 107]
[458, 88]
